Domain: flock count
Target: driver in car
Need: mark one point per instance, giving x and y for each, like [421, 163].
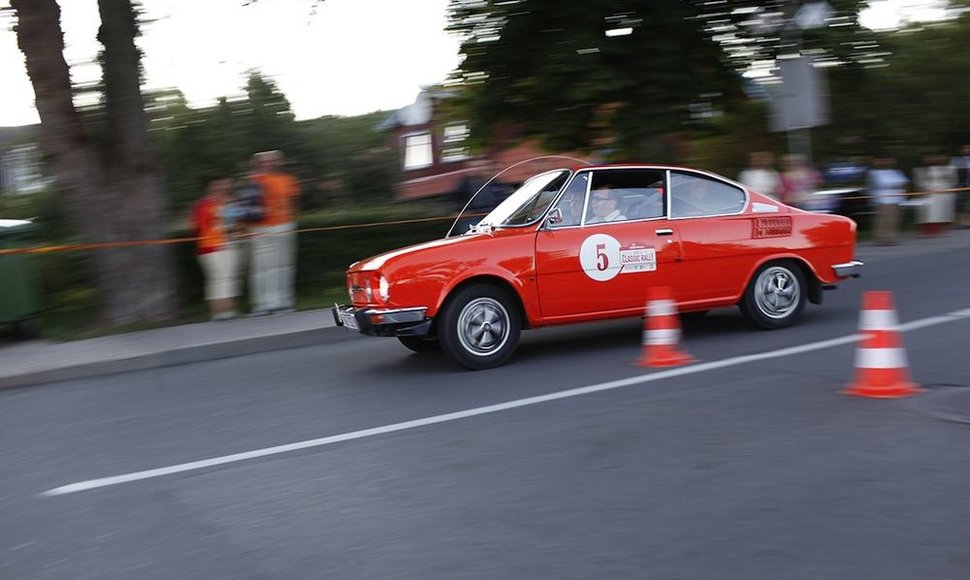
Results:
[605, 206]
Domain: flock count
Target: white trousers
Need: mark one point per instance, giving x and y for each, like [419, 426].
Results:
[938, 208]
[221, 273]
[273, 267]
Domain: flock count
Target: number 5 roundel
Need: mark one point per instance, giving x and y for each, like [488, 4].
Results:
[600, 257]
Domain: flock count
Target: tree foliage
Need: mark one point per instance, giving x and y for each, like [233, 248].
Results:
[576, 74]
[753, 33]
[332, 156]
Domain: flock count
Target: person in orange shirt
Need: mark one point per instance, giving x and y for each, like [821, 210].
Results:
[211, 220]
[273, 268]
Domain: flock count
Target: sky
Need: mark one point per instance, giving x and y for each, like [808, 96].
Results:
[348, 58]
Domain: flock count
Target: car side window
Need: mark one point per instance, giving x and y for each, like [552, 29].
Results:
[693, 195]
[623, 194]
[572, 200]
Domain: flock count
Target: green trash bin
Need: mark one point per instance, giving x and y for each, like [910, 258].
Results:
[20, 302]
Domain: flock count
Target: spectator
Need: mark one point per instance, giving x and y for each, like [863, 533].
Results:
[887, 186]
[760, 175]
[962, 165]
[937, 210]
[273, 269]
[212, 220]
[798, 181]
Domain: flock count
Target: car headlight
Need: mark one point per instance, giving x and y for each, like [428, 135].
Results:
[384, 289]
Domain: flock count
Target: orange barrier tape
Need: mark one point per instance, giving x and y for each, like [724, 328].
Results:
[94, 246]
[910, 194]
[132, 244]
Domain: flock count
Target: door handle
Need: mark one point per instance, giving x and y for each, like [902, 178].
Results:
[664, 232]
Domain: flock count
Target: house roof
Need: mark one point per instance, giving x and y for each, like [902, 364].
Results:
[417, 113]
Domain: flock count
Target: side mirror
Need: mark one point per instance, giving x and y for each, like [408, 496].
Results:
[555, 217]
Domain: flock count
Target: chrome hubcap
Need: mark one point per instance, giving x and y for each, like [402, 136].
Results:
[777, 292]
[483, 326]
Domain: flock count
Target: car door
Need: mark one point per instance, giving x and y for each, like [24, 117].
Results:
[714, 234]
[584, 266]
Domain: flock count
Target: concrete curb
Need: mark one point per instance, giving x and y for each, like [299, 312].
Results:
[167, 358]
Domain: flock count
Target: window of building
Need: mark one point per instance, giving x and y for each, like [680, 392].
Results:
[454, 142]
[417, 151]
[21, 171]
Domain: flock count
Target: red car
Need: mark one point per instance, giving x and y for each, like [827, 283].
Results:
[582, 244]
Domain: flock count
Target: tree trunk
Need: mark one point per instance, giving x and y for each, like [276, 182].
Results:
[112, 186]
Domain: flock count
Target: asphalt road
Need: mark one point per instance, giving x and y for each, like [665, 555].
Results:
[755, 469]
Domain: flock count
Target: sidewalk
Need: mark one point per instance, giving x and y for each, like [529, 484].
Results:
[35, 362]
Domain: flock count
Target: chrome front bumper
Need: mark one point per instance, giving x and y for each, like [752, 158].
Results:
[383, 321]
[851, 269]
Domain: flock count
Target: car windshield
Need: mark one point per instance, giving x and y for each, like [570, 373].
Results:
[529, 202]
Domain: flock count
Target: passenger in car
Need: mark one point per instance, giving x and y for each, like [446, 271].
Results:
[691, 198]
[650, 205]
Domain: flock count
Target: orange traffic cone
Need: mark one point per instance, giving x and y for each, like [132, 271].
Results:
[880, 361]
[661, 332]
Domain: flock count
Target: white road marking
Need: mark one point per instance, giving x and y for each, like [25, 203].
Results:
[447, 417]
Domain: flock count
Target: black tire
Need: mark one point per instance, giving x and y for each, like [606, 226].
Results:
[775, 296]
[420, 343]
[479, 327]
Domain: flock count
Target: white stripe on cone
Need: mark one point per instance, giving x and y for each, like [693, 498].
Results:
[878, 320]
[661, 308]
[662, 336]
[880, 358]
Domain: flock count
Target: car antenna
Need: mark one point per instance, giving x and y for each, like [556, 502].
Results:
[499, 174]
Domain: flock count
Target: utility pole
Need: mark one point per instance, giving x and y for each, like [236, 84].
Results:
[802, 102]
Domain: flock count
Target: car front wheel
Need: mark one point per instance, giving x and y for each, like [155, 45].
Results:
[479, 326]
[775, 297]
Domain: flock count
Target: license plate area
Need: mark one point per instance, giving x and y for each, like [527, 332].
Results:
[348, 321]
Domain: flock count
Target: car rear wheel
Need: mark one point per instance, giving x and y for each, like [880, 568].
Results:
[479, 327]
[775, 297]
[419, 343]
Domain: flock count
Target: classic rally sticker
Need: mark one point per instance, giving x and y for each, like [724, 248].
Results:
[636, 258]
[602, 258]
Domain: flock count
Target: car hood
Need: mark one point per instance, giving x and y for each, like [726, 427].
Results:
[377, 262]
